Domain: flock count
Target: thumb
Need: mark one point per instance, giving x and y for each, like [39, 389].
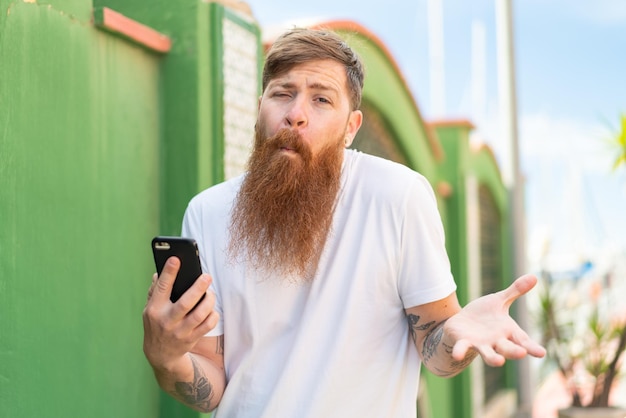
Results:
[518, 288]
[166, 280]
[461, 349]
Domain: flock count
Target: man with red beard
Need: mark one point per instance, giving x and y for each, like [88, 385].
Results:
[316, 260]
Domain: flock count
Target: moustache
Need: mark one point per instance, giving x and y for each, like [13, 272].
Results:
[290, 140]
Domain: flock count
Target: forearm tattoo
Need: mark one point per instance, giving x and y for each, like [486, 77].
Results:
[433, 343]
[415, 326]
[198, 393]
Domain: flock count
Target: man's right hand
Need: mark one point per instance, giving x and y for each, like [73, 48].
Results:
[172, 329]
[187, 365]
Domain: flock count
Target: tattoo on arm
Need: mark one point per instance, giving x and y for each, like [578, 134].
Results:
[456, 366]
[415, 326]
[197, 393]
[431, 342]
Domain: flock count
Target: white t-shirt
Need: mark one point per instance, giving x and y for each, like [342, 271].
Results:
[340, 345]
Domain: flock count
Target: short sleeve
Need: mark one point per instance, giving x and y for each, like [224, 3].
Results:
[425, 274]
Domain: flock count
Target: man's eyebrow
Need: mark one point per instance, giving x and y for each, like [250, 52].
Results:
[285, 85]
[322, 86]
[314, 86]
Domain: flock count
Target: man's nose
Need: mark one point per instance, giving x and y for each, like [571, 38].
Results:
[296, 116]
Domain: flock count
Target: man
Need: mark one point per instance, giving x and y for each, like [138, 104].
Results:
[318, 258]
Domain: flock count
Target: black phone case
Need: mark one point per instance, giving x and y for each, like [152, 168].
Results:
[186, 250]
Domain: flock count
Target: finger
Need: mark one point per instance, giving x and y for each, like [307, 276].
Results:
[518, 288]
[207, 325]
[201, 311]
[532, 347]
[536, 350]
[461, 349]
[490, 356]
[211, 322]
[151, 288]
[510, 350]
[203, 318]
[190, 298]
[163, 288]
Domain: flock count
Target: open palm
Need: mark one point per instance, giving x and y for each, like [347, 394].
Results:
[485, 326]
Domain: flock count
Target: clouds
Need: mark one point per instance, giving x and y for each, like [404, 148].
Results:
[546, 137]
[574, 200]
[601, 12]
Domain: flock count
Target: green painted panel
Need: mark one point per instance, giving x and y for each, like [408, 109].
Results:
[440, 396]
[484, 167]
[79, 193]
[77, 10]
[454, 170]
[182, 101]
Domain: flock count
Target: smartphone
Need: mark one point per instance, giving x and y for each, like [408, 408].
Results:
[186, 250]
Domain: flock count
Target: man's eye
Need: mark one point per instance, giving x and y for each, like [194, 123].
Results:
[323, 100]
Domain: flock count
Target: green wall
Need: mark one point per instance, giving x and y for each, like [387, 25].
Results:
[185, 106]
[79, 202]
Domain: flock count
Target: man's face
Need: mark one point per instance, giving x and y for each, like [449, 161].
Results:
[284, 209]
[312, 99]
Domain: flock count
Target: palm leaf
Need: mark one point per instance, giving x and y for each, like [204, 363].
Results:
[620, 141]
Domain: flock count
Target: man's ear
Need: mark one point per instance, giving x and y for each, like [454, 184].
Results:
[354, 123]
[258, 108]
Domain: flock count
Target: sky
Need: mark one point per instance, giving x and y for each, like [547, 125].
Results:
[570, 67]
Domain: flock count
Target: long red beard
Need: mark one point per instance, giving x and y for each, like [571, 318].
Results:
[284, 209]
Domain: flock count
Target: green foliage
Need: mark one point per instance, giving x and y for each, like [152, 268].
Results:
[593, 349]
